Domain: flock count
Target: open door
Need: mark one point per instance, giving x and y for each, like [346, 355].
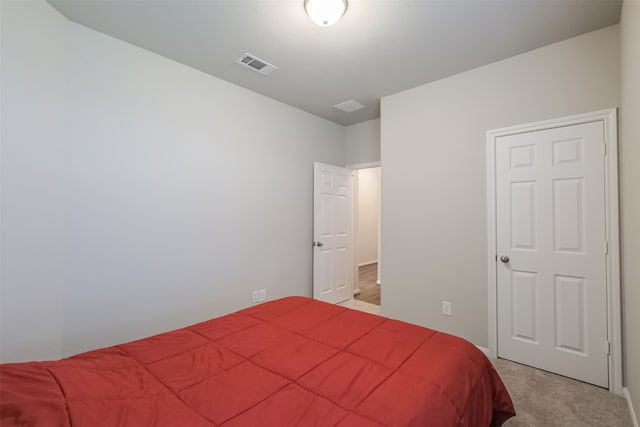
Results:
[332, 234]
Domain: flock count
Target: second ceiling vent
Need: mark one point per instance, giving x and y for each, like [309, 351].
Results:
[349, 106]
[256, 64]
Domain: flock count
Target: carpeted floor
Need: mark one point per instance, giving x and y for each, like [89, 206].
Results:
[543, 399]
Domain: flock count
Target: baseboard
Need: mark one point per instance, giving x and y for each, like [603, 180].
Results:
[375, 261]
[634, 419]
[356, 291]
[484, 350]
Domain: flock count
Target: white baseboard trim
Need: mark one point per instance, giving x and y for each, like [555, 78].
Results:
[375, 261]
[356, 291]
[484, 350]
[634, 419]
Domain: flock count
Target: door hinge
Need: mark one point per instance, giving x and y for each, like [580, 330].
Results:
[605, 247]
[604, 149]
[608, 347]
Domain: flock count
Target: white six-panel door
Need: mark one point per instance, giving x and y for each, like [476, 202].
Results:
[332, 234]
[550, 235]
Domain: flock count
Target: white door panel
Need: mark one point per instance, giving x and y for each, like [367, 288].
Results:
[550, 206]
[332, 234]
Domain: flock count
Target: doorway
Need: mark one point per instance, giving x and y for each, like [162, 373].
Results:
[554, 297]
[366, 226]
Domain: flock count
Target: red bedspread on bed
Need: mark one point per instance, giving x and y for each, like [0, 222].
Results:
[290, 362]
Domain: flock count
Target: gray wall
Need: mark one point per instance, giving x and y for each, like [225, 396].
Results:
[140, 195]
[630, 193]
[434, 240]
[34, 56]
[362, 142]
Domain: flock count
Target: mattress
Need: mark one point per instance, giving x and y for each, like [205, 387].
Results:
[290, 362]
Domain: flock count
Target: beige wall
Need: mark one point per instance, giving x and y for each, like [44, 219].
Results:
[630, 193]
[368, 181]
[434, 150]
[362, 142]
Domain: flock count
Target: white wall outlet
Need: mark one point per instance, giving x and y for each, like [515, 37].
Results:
[446, 308]
[263, 295]
[255, 296]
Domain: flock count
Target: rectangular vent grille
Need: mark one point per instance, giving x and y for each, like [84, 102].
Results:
[349, 106]
[256, 64]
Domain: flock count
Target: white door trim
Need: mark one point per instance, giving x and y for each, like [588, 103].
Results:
[614, 328]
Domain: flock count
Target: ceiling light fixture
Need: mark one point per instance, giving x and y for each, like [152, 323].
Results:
[325, 12]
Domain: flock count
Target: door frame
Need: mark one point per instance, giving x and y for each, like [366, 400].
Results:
[614, 318]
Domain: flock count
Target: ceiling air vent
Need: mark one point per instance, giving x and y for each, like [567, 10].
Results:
[349, 106]
[256, 64]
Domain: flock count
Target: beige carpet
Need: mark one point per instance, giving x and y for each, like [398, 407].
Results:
[548, 400]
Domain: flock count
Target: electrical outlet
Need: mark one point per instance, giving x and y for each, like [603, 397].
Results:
[446, 308]
[255, 296]
[263, 295]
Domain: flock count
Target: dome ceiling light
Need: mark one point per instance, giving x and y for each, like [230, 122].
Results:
[325, 12]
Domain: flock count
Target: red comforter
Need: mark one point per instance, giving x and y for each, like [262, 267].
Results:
[290, 362]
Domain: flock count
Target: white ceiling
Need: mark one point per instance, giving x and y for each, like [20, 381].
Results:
[380, 47]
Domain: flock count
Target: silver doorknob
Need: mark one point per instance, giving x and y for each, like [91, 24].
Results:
[504, 259]
[318, 244]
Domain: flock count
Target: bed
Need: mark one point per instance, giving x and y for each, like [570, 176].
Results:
[290, 362]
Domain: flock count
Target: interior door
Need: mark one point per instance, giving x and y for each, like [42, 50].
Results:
[550, 203]
[332, 234]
